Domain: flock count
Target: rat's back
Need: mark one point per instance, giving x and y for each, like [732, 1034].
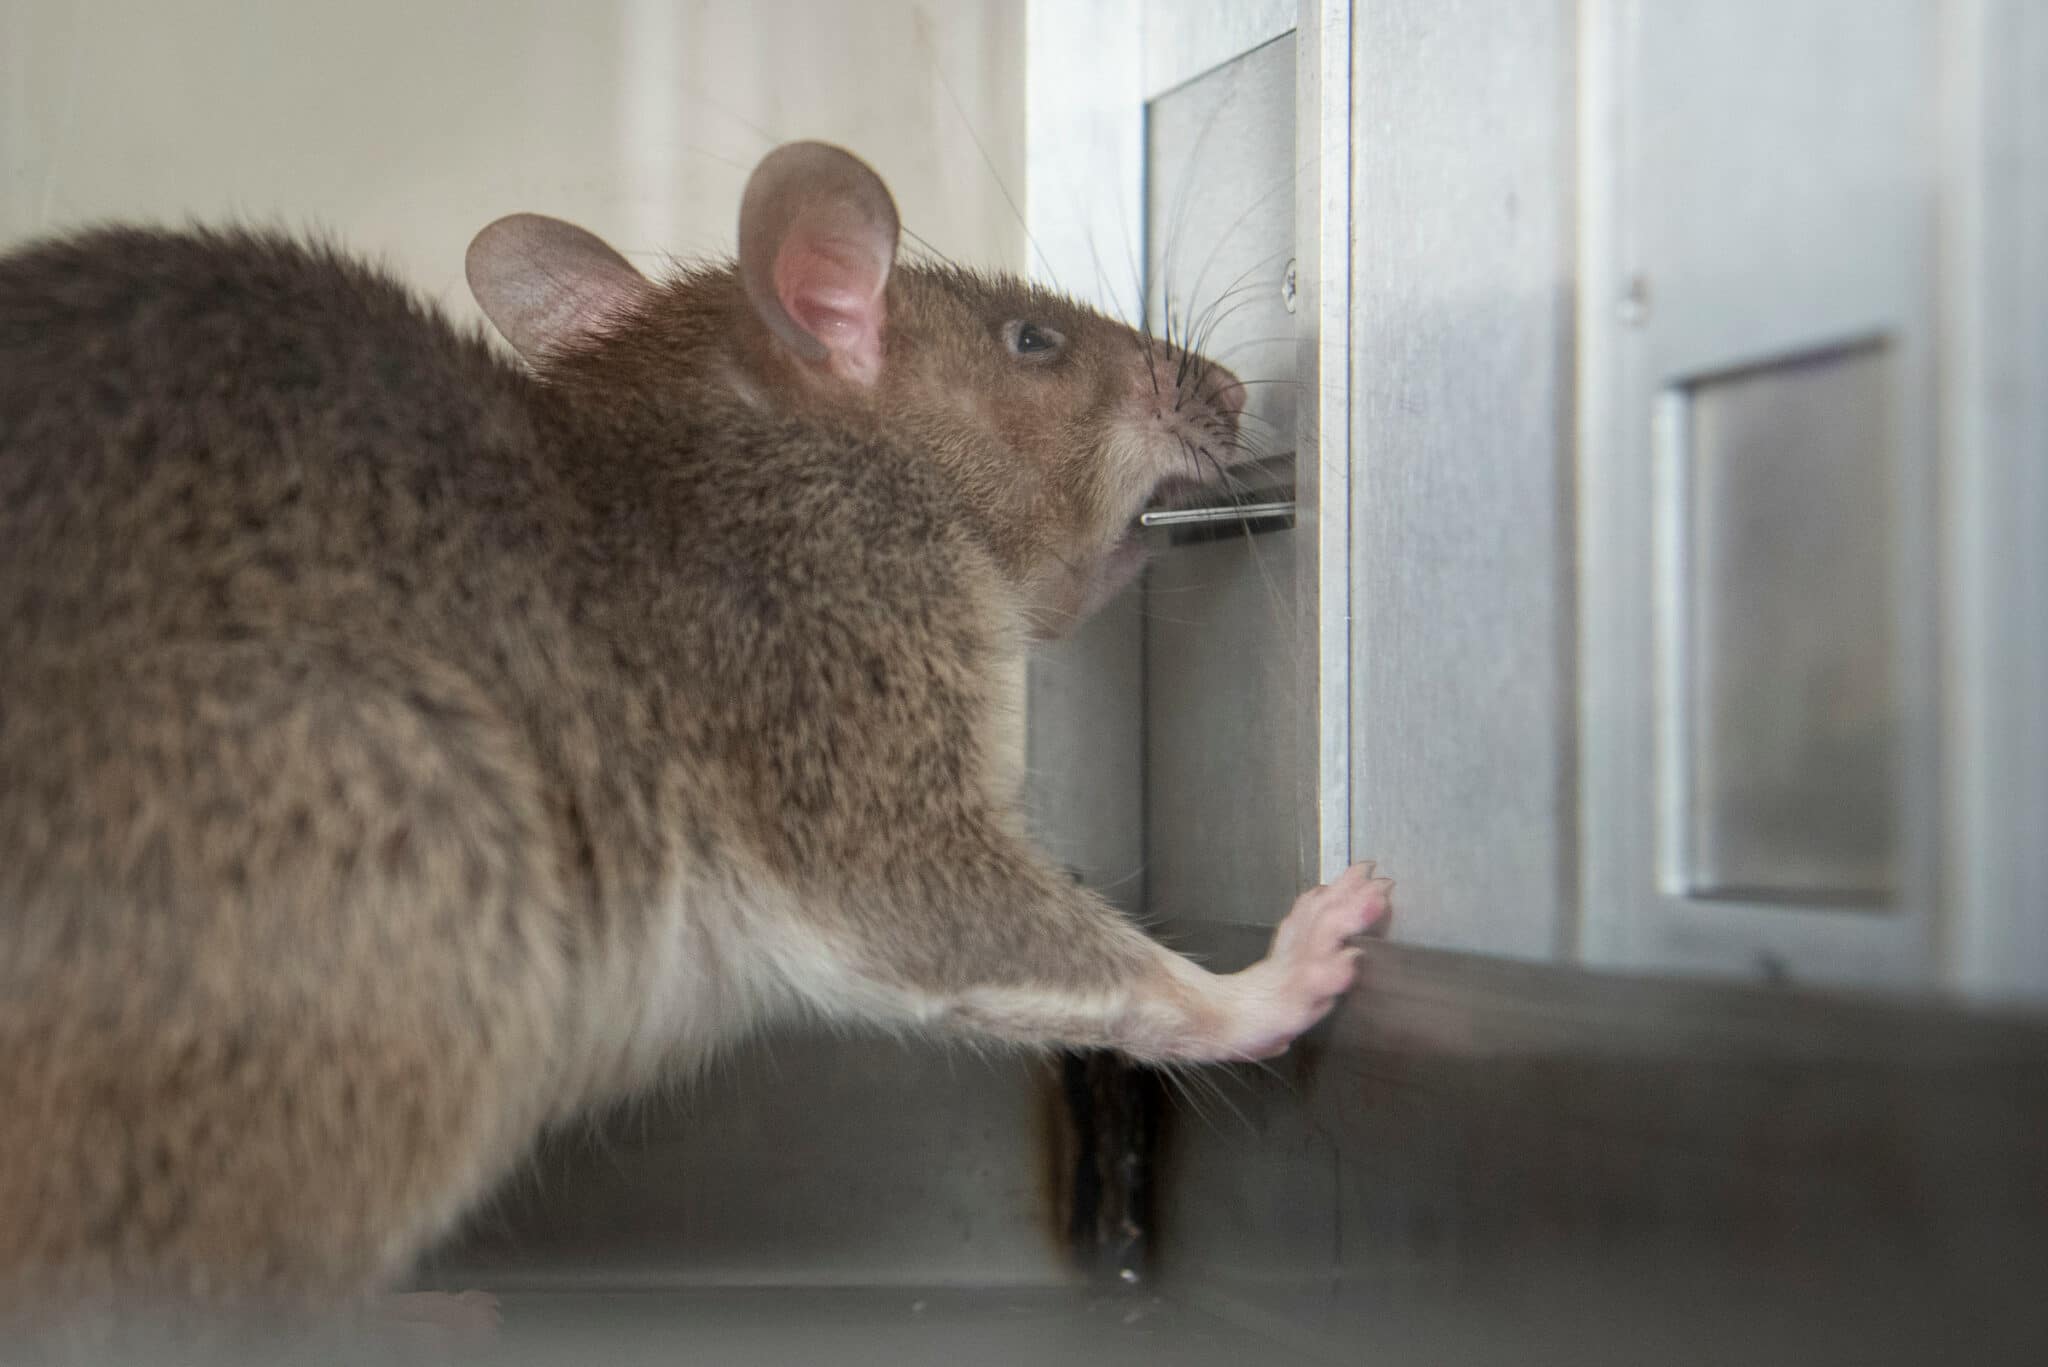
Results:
[207, 432]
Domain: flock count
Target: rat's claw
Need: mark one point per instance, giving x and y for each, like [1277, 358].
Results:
[1312, 961]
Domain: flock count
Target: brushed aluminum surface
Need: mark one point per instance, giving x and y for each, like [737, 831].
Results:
[1461, 359]
[1759, 184]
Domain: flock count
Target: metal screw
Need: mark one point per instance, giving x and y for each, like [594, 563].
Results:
[1634, 308]
[1290, 286]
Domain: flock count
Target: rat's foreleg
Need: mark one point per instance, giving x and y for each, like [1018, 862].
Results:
[1004, 946]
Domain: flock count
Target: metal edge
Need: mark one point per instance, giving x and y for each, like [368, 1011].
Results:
[1600, 931]
[1323, 426]
[1993, 941]
[1671, 570]
[1184, 39]
[1971, 875]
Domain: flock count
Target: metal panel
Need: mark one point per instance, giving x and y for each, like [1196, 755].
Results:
[1489, 1161]
[1995, 493]
[1786, 726]
[1460, 373]
[802, 1160]
[1758, 184]
[1221, 770]
[1222, 653]
[1084, 738]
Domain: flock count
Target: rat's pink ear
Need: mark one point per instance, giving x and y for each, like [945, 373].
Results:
[817, 239]
[549, 286]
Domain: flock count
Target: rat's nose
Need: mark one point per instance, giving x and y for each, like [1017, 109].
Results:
[1225, 391]
[1200, 379]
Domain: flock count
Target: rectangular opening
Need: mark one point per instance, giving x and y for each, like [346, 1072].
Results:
[1781, 712]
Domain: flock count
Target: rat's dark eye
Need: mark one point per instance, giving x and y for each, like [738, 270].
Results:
[1031, 341]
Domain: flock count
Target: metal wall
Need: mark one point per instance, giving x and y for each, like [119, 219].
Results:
[1664, 456]
[1461, 314]
[1758, 446]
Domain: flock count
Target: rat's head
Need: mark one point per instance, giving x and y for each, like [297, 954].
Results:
[1058, 425]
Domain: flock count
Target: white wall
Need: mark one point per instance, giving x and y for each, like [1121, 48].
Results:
[403, 126]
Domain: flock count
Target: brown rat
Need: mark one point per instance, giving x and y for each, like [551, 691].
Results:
[403, 750]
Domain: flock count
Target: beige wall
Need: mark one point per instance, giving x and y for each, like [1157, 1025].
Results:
[403, 126]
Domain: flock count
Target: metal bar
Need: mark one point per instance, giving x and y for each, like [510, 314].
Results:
[1229, 512]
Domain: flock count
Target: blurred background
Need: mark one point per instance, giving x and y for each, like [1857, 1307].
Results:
[402, 128]
[1656, 401]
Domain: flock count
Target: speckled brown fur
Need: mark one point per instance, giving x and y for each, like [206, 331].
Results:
[400, 750]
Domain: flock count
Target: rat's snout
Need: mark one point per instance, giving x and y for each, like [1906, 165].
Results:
[1195, 382]
[1190, 407]
[1226, 393]
[1187, 410]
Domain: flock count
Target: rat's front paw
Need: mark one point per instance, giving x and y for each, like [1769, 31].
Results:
[1312, 963]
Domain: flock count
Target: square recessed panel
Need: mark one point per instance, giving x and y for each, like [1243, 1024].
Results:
[1788, 693]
